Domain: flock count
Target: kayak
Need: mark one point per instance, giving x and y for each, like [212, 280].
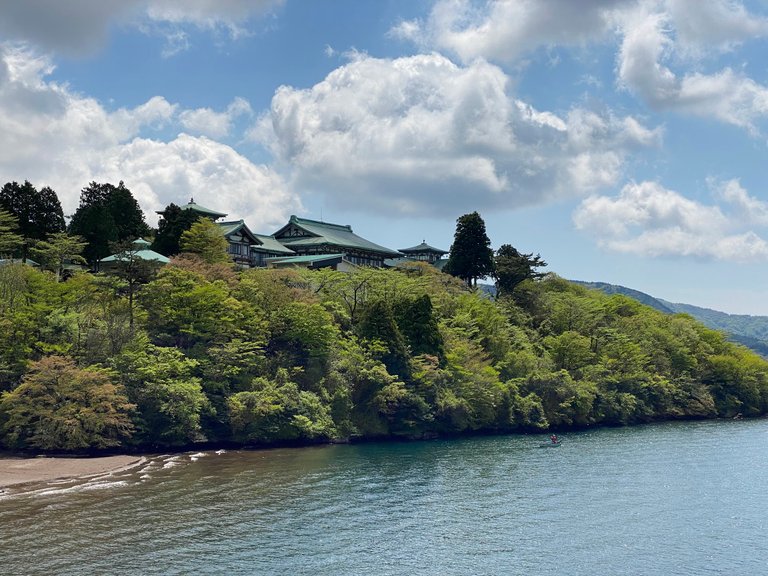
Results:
[550, 444]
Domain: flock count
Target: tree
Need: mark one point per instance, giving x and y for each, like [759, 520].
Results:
[59, 249]
[378, 326]
[512, 268]
[169, 397]
[9, 240]
[133, 269]
[38, 213]
[205, 239]
[59, 406]
[471, 255]
[107, 214]
[172, 225]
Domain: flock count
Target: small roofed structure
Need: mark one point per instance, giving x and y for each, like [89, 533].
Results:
[424, 253]
[310, 237]
[140, 250]
[198, 209]
[313, 261]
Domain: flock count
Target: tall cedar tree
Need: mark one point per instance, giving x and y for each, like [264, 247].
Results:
[107, 214]
[471, 255]
[174, 222]
[38, 213]
[512, 268]
[418, 324]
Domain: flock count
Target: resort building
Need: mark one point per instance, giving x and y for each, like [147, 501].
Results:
[313, 262]
[310, 237]
[424, 253]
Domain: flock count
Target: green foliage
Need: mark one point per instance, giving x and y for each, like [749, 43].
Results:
[511, 268]
[169, 397]
[205, 239]
[38, 213]
[60, 249]
[265, 356]
[173, 223]
[61, 407]
[471, 256]
[107, 214]
[10, 241]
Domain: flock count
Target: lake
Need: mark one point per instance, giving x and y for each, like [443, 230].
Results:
[678, 498]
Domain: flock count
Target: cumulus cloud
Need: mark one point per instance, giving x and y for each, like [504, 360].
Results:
[208, 122]
[421, 134]
[80, 26]
[57, 138]
[502, 30]
[649, 220]
[727, 95]
[661, 45]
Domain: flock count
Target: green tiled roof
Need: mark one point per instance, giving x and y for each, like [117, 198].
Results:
[423, 247]
[270, 244]
[235, 226]
[202, 209]
[304, 259]
[331, 234]
[141, 250]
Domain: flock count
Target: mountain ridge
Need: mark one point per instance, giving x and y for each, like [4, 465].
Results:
[746, 329]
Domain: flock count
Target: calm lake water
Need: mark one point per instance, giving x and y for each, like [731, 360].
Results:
[684, 498]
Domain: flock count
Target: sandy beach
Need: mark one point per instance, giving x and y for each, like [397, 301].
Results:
[27, 470]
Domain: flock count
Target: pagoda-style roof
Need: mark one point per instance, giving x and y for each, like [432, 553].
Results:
[140, 250]
[305, 233]
[270, 245]
[202, 210]
[423, 248]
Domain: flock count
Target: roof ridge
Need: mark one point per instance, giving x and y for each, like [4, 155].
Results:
[299, 220]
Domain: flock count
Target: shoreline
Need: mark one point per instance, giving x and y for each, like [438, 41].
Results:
[18, 471]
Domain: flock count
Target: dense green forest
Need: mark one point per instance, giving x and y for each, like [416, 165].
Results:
[751, 331]
[201, 352]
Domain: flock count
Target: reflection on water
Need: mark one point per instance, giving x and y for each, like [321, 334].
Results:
[663, 499]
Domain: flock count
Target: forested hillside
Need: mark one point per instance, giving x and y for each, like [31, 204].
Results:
[204, 353]
[751, 331]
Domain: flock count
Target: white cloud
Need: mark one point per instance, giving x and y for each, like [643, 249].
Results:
[503, 30]
[727, 95]
[423, 135]
[81, 26]
[649, 220]
[53, 137]
[722, 24]
[214, 124]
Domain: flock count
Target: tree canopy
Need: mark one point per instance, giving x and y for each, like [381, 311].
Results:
[107, 214]
[37, 212]
[174, 221]
[511, 268]
[471, 256]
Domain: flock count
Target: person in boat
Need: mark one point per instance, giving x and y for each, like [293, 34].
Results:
[554, 439]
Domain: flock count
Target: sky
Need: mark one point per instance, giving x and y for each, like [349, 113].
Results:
[623, 140]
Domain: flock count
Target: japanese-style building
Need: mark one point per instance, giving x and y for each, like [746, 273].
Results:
[424, 253]
[310, 237]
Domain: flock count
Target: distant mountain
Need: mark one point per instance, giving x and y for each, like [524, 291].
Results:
[751, 331]
[641, 297]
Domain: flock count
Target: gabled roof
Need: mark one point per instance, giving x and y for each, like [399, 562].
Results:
[237, 226]
[332, 234]
[423, 247]
[270, 244]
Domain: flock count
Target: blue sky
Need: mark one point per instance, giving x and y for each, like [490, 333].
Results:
[623, 140]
